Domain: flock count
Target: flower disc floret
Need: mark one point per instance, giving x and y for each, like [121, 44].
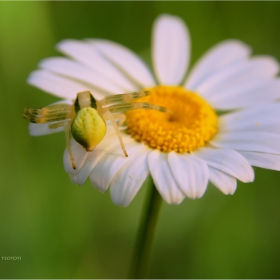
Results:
[190, 124]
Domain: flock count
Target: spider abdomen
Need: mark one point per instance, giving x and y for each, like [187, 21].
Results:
[88, 128]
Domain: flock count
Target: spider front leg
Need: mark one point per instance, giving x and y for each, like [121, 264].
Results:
[52, 113]
[120, 103]
[122, 98]
[122, 107]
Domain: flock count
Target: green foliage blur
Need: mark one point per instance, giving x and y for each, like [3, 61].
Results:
[61, 230]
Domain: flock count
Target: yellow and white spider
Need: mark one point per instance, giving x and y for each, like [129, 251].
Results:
[86, 117]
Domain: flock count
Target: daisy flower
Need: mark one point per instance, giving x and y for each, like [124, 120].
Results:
[225, 113]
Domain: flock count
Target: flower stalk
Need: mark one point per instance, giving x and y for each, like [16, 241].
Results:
[145, 236]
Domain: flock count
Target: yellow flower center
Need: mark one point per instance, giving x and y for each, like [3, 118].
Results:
[190, 125]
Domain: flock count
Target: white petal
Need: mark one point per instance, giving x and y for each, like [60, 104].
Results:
[129, 179]
[87, 54]
[126, 61]
[56, 85]
[111, 162]
[228, 161]
[268, 161]
[224, 54]
[171, 49]
[250, 94]
[190, 174]
[90, 162]
[263, 142]
[260, 67]
[43, 129]
[225, 183]
[163, 178]
[80, 51]
[259, 124]
[260, 118]
[77, 71]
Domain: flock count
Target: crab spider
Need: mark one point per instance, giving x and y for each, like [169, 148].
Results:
[86, 117]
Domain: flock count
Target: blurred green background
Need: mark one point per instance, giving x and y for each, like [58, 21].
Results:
[61, 230]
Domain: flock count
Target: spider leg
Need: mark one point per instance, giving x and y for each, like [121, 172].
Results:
[68, 146]
[119, 108]
[57, 124]
[56, 112]
[108, 115]
[121, 118]
[124, 97]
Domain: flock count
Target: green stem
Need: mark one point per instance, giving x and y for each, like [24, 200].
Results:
[145, 236]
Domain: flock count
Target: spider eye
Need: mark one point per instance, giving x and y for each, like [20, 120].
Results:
[84, 99]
